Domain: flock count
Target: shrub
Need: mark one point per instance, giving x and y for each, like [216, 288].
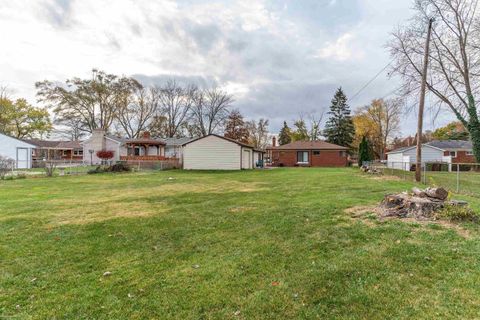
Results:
[21, 176]
[50, 167]
[120, 167]
[458, 213]
[6, 165]
[98, 169]
[105, 154]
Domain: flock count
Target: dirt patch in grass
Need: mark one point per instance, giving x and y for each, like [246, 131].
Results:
[132, 202]
[90, 213]
[241, 209]
[366, 213]
[385, 178]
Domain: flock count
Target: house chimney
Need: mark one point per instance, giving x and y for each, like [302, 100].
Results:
[98, 139]
[146, 135]
[274, 141]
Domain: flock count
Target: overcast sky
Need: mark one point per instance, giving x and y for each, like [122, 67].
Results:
[278, 58]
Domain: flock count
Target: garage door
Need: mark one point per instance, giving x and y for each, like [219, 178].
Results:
[247, 159]
[23, 158]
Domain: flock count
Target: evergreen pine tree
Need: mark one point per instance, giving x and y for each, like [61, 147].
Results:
[339, 128]
[364, 151]
[285, 135]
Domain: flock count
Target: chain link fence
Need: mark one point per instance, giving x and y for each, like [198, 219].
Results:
[65, 167]
[457, 177]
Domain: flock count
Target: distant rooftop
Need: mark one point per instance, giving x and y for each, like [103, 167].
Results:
[309, 145]
[47, 144]
[451, 144]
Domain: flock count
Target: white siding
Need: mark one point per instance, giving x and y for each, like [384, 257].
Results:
[429, 154]
[402, 160]
[256, 157]
[212, 153]
[395, 160]
[247, 158]
[19, 151]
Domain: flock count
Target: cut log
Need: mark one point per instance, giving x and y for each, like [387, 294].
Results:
[418, 192]
[437, 193]
[403, 206]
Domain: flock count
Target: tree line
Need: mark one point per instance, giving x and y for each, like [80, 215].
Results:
[123, 106]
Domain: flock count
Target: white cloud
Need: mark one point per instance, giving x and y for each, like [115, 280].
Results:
[259, 52]
[341, 50]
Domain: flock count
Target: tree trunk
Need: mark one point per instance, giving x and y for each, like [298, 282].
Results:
[474, 130]
[437, 193]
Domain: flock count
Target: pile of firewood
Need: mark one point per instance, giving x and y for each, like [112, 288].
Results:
[419, 204]
[370, 169]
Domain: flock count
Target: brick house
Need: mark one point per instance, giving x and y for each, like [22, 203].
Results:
[307, 154]
[460, 151]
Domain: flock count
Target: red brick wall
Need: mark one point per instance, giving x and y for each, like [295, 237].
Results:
[461, 157]
[327, 158]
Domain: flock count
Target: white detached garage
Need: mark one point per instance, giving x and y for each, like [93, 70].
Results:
[404, 158]
[214, 152]
[17, 150]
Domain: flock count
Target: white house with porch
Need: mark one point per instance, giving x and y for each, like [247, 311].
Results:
[143, 148]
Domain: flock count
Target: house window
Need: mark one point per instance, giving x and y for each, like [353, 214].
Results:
[136, 151]
[343, 154]
[453, 154]
[469, 153]
[302, 157]
[316, 152]
[78, 152]
[65, 153]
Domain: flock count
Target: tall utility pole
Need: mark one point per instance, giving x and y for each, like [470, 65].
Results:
[421, 107]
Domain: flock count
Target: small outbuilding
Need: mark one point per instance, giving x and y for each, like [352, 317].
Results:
[17, 150]
[214, 152]
[405, 158]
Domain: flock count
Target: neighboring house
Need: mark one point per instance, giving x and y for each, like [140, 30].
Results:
[174, 147]
[56, 150]
[214, 152]
[140, 149]
[17, 150]
[308, 154]
[460, 151]
[405, 158]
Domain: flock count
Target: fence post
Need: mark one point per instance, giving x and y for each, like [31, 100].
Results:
[404, 171]
[425, 173]
[458, 177]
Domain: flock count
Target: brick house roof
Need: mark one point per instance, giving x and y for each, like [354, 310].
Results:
[309, 145]
[448, 145]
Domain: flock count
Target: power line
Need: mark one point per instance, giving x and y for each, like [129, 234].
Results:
[370, 81]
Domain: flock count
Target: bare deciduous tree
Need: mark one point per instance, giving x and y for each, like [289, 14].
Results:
[175, 104]
[136, 110]
[315, 125]
[210, 110]
[454, 71]
[258, 133]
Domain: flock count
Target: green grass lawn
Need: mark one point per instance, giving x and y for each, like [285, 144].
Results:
[273, 244]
